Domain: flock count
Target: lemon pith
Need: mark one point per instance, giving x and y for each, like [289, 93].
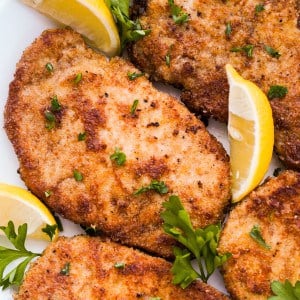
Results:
[251, 134]
[20, 206]
[91, 18]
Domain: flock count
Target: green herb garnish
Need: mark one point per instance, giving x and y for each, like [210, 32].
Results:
[155, 185]
[81, 136]
[129, 30]
[154, 298]
[78, 78]
[49, 67]
[272, 52]
[58, 222]
[134, 75]
[248, 49]
[77, 175]
[50, 230]
[228, 29]
[179, 17]
[7, 255]
[200, 243]
[65, 270]
[256, 235]
[50, 120]
[277, 91]
[285, 291]
[118, 157]
[119, 265]
[48, 193]
[55, 105]
[259, 8]
[168, 59]
[134, 106]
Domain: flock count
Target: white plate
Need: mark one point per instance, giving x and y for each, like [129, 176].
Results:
[19, 26]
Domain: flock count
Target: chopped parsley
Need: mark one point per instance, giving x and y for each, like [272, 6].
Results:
[228, 29]
[272, 52]
[50, 120]
[118, 157]
[48, 193]
[49, 67]
[277, 91]
[119, 265]
[58, 222]
[248, 49]
[134, 106]
[65, 270]
[168, 59]
[55, 105]
[82, 136]
[77, 175]
[155, 185]
[259, 8]
[256, 235]
[50, 230]
[78, 78]
[134, 75]
[154, 298]
[179, 17]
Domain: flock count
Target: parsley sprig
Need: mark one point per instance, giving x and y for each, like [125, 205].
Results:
[200, 243]
[8, 255]
[129, 30]
[285, 291]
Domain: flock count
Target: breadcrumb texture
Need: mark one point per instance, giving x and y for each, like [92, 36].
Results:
[275, 207]
[199, 50]
[93, 275]
[162, 141]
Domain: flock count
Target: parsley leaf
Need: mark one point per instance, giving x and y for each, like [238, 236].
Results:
[129, 30]
[256, 235]
[259, 8]
[179, 17]
[119, 157]
[50, 230]
[248, 49]
[55, 105]
[228, 29]
[155, 185]
[82, 136]
[134, 106]
[77, 175]
[7, 255]
[285, 291]
[119, 265]
[200, 243]
[134, 75]
[66, 269]
[78, 78]
[49, 67]
[272, 52]
[277, 91]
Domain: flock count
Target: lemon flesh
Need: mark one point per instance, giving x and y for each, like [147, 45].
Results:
[251, 134]
[91, 18]
[20, 206]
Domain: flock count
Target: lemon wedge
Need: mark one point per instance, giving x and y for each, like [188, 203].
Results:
[251, 134]
[91, 18]
[20, 206]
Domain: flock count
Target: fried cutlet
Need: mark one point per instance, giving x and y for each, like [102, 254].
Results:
[87, 268]
[259, 38]
[74, 161]
[275, 208]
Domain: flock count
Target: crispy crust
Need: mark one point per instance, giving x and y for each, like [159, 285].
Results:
[275, 207]
[162, 141]
[93, 274]
[200, 49]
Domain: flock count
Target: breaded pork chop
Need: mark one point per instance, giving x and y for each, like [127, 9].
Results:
[275, 208]
[259, 38]
[104, 270]
[70, 159]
